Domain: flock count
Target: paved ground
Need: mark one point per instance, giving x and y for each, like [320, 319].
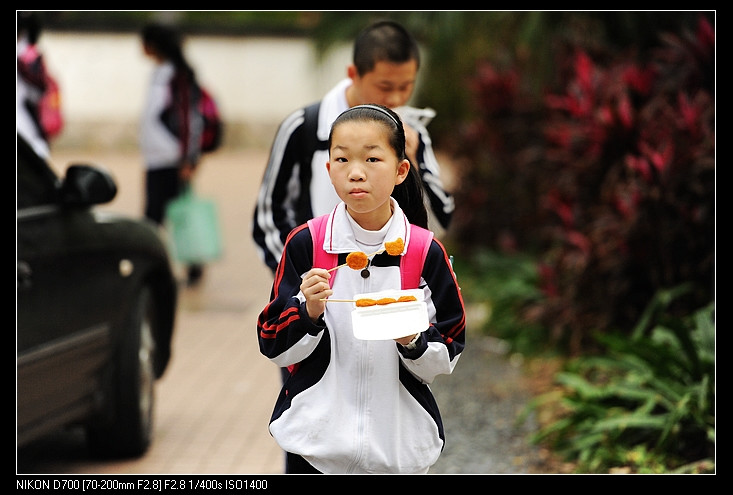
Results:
[214, 402]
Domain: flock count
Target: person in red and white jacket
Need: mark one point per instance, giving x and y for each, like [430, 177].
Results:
[30, 83]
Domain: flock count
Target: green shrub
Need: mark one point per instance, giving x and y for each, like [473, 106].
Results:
[647, 405]
[503, 289]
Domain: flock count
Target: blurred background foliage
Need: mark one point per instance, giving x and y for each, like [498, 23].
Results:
[200, 22]
[584, 145]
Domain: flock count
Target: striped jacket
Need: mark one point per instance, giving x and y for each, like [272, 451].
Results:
[350, 405]
[296, 186]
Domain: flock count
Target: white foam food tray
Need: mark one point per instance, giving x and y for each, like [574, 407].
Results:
[390, 321]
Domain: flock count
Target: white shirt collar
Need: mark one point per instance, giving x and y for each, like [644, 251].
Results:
[341, 236]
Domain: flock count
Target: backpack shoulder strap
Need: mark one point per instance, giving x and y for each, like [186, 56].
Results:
[310, 142]
[321, 258]
[413, 261]
[310, 114]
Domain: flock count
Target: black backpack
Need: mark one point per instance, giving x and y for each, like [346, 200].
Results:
[309, 138]
[201, 101]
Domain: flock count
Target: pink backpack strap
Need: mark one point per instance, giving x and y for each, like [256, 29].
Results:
[412, 262]
[321, 259]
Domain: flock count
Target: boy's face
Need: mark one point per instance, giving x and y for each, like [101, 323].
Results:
[389, 84]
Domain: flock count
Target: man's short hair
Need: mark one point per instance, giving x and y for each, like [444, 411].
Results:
[384, 41]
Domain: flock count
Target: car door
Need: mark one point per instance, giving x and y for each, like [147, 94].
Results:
[64, 309]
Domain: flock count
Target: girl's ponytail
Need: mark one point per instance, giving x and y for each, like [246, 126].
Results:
[410, 196]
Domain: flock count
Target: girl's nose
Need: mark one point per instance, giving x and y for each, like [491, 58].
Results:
[356, 174]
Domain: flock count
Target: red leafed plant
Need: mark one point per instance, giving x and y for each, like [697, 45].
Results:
[610, 179]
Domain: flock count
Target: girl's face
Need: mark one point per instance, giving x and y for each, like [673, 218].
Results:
[364, 170]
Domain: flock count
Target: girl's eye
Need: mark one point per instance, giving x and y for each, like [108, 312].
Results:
[372, 159]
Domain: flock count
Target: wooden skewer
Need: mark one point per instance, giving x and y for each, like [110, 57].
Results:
[328, 299]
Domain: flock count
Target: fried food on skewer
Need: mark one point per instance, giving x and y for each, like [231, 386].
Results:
[365, 302]
[395, 247]
[356, 261]
[359, 260]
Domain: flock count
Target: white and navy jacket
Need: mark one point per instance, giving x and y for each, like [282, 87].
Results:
[28, 93]
[160, 148]
[296, 186]
[359, 406]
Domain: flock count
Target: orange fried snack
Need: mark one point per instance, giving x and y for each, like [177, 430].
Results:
[361, 303]
[407, 299]
[395, 248]
[357, 260]
[364, 302]
[386, 300]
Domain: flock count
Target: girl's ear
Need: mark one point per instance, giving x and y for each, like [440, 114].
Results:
[402, 170]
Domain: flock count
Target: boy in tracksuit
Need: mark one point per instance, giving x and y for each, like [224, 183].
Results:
[296, 187]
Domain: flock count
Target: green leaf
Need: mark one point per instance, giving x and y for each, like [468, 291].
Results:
[631, 421]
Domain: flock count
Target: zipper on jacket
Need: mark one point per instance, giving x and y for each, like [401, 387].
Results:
[362, 385]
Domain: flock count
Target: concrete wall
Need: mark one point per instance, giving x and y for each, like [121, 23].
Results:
[256, 81]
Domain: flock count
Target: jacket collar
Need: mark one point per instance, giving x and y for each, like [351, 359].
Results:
[340, 236]
[332, 105]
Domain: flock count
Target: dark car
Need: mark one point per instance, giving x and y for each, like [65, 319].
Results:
[96, 301]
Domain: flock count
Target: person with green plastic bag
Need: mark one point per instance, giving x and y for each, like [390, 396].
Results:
[193, 226]
[170, 157]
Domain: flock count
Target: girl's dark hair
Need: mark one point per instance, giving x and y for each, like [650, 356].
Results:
[410, 193]
[167, 43]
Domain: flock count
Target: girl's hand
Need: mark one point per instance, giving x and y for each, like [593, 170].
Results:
[315, 287]
[405, 340]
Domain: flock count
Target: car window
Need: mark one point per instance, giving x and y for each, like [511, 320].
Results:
[37, 183]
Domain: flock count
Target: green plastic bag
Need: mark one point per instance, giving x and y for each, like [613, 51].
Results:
[193, 224]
